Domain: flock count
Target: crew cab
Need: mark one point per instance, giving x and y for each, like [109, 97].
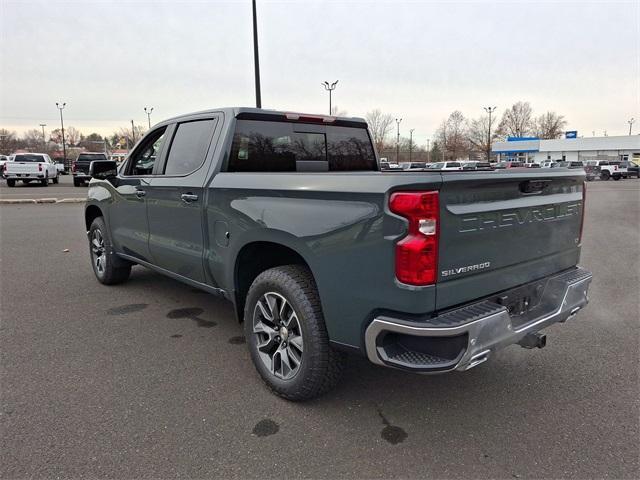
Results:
[29, 167]
[289, 217]
[80, 168]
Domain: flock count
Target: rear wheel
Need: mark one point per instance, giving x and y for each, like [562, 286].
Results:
[56, 180]
[287, 336]
[76, 182]
[108, 268]
[605, 175]
[11, 182]
[45, 182]
[616, 177]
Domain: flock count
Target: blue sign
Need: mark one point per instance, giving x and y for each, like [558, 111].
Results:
[571, 134]
[521, 139]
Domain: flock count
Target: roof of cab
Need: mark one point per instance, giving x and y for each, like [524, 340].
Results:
[258, 112]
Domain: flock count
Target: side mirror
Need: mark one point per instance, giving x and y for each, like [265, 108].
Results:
[103, 169]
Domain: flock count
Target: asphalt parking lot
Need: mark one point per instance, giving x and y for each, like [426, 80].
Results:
[152, 378]
[64, 189]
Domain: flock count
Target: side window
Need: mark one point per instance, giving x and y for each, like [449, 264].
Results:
[144, 157]
[189, 147]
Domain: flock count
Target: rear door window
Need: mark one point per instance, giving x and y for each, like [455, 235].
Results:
[189, 147]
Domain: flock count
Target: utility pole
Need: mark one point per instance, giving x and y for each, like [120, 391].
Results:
[428, 151]
[133, 131]
[411, 143]
[630, 122]
[148, 112]
[489, 110]
[44, 139]
[330, 87]
[398, 120]
[64, 147]
[256, 60]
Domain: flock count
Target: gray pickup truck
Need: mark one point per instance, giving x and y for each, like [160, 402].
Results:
[290, 218]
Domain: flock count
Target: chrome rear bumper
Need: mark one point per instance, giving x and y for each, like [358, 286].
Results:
[473, 331]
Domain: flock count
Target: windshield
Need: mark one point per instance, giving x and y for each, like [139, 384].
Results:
[28, 158]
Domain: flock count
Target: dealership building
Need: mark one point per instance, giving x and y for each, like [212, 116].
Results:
[571, 148]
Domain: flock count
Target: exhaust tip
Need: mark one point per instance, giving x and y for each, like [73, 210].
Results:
[533, 340]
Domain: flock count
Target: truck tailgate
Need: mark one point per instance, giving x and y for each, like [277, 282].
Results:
[21, 168]
[505, 228]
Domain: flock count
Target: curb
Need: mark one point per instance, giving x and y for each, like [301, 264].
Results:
[28, 201]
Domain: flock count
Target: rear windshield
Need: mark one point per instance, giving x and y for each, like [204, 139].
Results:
[28, 158]
[260, 146]
[88, 157]
[453, 164]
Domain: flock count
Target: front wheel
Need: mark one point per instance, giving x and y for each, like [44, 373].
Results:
[76, 182]
[45, 182]
[605, 175]
[11, 182]
[287, 336]
[55, 180]
[108, 268]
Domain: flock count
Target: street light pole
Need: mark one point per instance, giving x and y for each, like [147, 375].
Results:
[44, 140]
[398, 120]
[630, 122]
[133, 131]
[148, 112]
[428, 151]
[489, 110]
[410, 143]
[330, 87]
[64, 147]
[256, 60]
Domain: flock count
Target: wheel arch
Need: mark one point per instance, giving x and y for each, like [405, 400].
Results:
[90, 214]
[253, 259]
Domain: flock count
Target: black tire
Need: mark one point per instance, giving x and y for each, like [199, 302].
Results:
[76, 182]
[108, 268]
[605, 175]
[616, 177]
[56, 180]
[45, 182]
[11, 182]
[319, 366]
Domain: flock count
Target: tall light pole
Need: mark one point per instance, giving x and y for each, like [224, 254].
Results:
[44, 139]
[410, 143]
[133, 131]
[148, 112]
[64, 147]
[256, 60]
[330, 87]
[398, 120]
[489, 110]
[630, 122]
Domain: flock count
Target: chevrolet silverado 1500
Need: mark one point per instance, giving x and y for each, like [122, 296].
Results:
[290, 218]
[30, 167]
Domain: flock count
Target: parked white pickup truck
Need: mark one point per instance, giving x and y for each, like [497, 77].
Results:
[29, 167]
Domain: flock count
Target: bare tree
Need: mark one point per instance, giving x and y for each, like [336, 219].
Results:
[336, 112]
[380, 126]
[517, 121]
[550, 125]
[8, 140]
[452, 136]
[72, 136]
[32, 139]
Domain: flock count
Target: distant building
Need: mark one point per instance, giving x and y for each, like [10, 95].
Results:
[625, 147]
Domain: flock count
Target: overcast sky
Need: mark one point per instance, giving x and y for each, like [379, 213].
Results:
[415, 60]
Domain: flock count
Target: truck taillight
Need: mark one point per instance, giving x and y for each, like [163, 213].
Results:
[39, 167]
[584, 204]
[417, 253]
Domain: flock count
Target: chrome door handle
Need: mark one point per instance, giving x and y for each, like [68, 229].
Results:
[140, 193]
[189, 197]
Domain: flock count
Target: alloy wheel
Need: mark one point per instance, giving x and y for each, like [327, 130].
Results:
[98, 251]
[278, 335]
